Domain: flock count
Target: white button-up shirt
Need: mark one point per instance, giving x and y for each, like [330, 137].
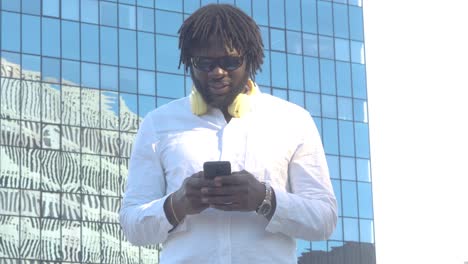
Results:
[276, 141]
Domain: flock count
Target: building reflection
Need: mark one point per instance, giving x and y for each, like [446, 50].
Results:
[349, 253]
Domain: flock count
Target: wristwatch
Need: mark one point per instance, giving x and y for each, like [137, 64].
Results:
[265, 207]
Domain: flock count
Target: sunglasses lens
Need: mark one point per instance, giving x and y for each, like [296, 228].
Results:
[228, 63]
[231, 63]
[204, 64]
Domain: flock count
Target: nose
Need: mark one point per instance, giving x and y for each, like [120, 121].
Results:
[217, 72]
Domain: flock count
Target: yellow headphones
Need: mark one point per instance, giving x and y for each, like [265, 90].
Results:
[238, 108]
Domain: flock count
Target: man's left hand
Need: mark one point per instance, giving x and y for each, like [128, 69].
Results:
[240, 191]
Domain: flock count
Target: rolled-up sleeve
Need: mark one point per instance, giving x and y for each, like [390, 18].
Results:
[142, 215]
[309, 210]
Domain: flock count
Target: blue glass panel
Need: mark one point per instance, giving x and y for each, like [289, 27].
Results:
[245, 5]
[31, 34]
[346, 138]
[295, 70]
[351, 229]
[30, 63]
[293, 14]
[280, 93]
[89, 42]
[355, 23]
[294, 42]
[70, 40]
[127, 48]
[296, 97]
[318, 123]
[145, 105]
[365, 200]
[11, 5]
[109, 78]
[71, 72]
[263, 77]
[131, 101]
[278, 69]
[366, 228]
[340, 20]
[345, 108]
[51, 8]
[109, 42]
[130, 2]
[348, 168]
[362, 140]
[191, 6]
[10, 31]
[359, 81]
[342, 49]
[313, 104]
[260, 12]
[146, 51]
[327, 76]
[309, 16]
[334, 169]
[50, 70]
[338, 232]
[128, 80]
[302, 247]
[206, 2]
[265, 37]
[325, 21]
[31, 6]
[277, 39]
[145, 19]
[167, 54]
[343, 78]
[231, 2]
[277, 13]
[146, 3]
[350, 202]
[90, 75]
[168, 22]
[363, 170]
[329, 106]
[162, 101]
[147, 82]
[91, 15]
[311, 75]
[330, 136]
[188, 85]
[127, 16]
[357, 52]
[50, 37]
[326, 49]
[71, 10]
[319, 245]
[108, 14]
[170, 85]
[310, 44]
[360, 110]
[171, 4]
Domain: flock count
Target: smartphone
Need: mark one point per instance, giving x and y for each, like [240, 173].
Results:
[212, 169]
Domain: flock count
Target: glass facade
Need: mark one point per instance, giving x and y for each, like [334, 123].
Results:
[78, 76]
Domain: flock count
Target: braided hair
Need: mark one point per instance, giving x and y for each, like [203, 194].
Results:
[228, 24]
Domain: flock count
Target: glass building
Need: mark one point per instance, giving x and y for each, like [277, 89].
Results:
[78, 76]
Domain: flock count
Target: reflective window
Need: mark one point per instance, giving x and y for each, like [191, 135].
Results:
[296, 97]
[345, 108]
[363, 170]
[11, 5]
[245, 5]
[357, 52]
[327, 76]
[51, 8]
[128, 80]
[346, 138]
[351, 229]
[365, 200]
[31, 64]
[355, 2]
[310, 46]
[260, 12]
[11, 31]
[167, 54]
[278, 69]
[70, 40]
[50, 70]
[146, 82]
[108, 44]
[293, 20]
[360, 110]
[265, 37]
[71, 10]
[71, 72]
[311, 75]
[356, 23]
[31, 34]
[325, 22]
[168, 22]
[366, 228]
[340, 20]
[359, 81]
[276, 13]
[343, 78]
[302, 247]
[329, 106]
[334, 168]
[338, 232]
[109, 77]
[89, 42]
[31, 105]
[330, 136]
[280, 93]
[170, 85]
[145, 19]
[295, 80]
[326, 49]
[294, 42]
[309, 16]
[146, 51]
[127, 16]
[127, 48]
[32, 7]
[108, 14]
[146, 3]
[146, 104]
[191, 6]
[342, 49]
[170, 5]
[90, 75]
[313, 104]
[50, 37]
[263, 77]
[277, 39]
[91, 15]
[348, 168]
[350, 203]
[362, 140]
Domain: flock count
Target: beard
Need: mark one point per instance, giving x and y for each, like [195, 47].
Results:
[220, 101]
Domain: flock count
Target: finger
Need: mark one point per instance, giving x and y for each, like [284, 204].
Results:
[234, 179]
[228, 199]
[226, 207]
[224, 190]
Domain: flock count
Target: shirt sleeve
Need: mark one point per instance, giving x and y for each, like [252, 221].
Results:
[142, 215]
[309, 211]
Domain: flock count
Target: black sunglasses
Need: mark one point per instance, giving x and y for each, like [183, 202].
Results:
[227, 63]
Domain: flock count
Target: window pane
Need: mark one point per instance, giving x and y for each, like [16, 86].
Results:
[108, 12]
[31, 67]
[327, 76]
[265, 37]
[310, 45]
[325, 22]
[330, 136]
[89, 42]
[296, 97]
[90, 75]
[91, 14]
[51, 37]
[31, 6]
[11, 5]
[263, 77]
[345, 108]
[350, 204]
[145, 19]
[191, 6]
[365, 200]
[351, 231]
[146, 82]
[71, 10]
[329, 106]
[309, 16]
[363, 170]
[348, 168]
[338, 232]
[362, 140]
[50, 70]
[355, 23]
[70, 40]
[359, 81]
[343, 78]
[146, 104]
[311, 75]
[11, 31]
[71, 72]
[342, 49]
[31, 34]
[295, 72]
[127, 48]
[340, 17]
[110, 112]
[327, 49]
[280, 93]
[366, 228]
[146, 51]
[50, 8]
[277, 13]
[294, 42]
[170, 85]
[127, 16]
[168, 22]
[277, 39]
[278, 68]
[167, 54]
[334, 168]
[313, 104]
[71, 106]
[357, 52]
[346, 138]
[293, 14]
[109, 78]
[170, 5]
[260, 12]
[360, 110]
[245, 5]
[128, 82]
[108, 44]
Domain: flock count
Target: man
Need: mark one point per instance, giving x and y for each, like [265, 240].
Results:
[279, 189]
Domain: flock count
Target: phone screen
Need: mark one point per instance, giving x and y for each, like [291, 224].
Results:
[212, 169]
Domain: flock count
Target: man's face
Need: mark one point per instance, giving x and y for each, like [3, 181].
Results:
[219, 87]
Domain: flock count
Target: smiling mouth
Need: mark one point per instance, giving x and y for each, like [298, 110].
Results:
[219, 88]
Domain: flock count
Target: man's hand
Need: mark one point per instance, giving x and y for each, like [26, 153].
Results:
[240, 191]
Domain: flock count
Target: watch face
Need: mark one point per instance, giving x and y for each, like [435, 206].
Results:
[265, 209]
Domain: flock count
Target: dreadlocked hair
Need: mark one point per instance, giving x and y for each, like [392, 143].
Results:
[228, 24]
